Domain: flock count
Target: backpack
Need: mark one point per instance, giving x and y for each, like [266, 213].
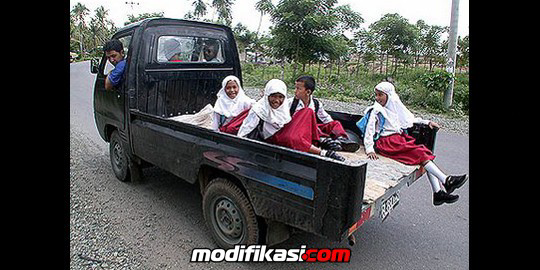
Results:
[362, 124]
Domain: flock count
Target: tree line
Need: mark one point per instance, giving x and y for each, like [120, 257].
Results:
[302, 32]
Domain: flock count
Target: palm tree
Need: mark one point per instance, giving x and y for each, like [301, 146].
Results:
[263, 6]
[200, 8]
[105, 26]
[79, 12]
[223, 9]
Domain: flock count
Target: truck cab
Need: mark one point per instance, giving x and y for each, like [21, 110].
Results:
[165, 62]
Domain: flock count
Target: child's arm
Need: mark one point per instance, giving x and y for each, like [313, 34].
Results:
[431, 124]
[323, 115]
[250, 123]
[368, 137]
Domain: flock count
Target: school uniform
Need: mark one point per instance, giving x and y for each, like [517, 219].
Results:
[328, 127]
[230, 113]
[393, 142]
[276, 126]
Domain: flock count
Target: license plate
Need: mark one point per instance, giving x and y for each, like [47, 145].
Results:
[388, 205]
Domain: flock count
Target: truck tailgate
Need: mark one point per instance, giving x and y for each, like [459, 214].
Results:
[384, 178]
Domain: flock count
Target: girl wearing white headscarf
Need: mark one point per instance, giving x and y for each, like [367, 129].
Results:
[396, 144]
[232, 106]
[270, 120]
[274, 119]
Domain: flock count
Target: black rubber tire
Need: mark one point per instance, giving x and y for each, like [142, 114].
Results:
[119, 159]
[229, 215]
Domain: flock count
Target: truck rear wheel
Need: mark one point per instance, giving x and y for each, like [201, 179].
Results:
[118, 156]
[229, 214]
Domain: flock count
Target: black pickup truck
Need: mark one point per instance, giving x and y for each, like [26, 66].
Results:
[253, 192]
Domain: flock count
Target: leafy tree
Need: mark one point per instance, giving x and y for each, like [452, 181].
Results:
[79, 12]
[244, 38]
[309, 30]
[366, 46]
[396, 37]
[263, 6]
[430, 40]
[222, 9]
[101, 28]
[463, 52]
[200, 8]
[132, 18]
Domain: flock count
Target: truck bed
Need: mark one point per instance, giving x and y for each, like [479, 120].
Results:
[381, 175]
[379, 191]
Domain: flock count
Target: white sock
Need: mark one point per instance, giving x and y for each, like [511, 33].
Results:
[434, 170]
[435, 185]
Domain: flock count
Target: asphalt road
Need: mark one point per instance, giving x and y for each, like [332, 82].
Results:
[156, 224]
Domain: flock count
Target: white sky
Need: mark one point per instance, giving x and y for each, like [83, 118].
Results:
[433, 12]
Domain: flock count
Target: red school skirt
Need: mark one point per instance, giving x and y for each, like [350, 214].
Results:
[300, 133]
[234, 125]
[401, 147]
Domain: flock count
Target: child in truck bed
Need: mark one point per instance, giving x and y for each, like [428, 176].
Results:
[269, 120]
[394, 143]
[232, 106]
[332, 133]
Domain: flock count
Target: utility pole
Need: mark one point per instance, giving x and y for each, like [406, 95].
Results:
[452, 47]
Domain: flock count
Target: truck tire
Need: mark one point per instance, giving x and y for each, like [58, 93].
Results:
[118, 156]
[229, 214]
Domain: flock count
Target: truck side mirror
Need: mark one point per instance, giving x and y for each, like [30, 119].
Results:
[94, 65]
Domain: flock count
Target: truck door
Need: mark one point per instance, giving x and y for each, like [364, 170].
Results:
[109, 104]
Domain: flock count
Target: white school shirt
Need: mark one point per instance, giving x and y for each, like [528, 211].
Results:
[391, 125]
[252, 121]
[274, 119]
[321, 114]
[216, 117]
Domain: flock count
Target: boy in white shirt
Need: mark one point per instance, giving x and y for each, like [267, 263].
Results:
[332, 133]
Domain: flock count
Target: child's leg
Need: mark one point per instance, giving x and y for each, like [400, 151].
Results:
[435, 185]
[431, 168]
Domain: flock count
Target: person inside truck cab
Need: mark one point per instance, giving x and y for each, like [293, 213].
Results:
[232, 106]
[211, 51]
[269, 120]
[172, 50]
[114, 52]
[385, 134]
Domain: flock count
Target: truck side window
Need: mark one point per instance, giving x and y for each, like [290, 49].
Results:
[176, 49]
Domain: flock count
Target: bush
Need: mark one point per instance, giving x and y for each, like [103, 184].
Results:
[416, 87]
[438, 80]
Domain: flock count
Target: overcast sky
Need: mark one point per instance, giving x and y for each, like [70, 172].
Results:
[433, 12]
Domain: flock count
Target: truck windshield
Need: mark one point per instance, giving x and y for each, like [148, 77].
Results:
[181, 49]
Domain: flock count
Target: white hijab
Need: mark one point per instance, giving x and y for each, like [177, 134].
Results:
[277, 117]
[274, 119]
[232, 107]
[394, 106]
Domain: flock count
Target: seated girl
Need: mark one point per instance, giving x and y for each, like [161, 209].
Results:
[393, 143]
[269, 120]
[232, 106]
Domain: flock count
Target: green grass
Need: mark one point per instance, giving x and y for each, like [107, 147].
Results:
[417, 87]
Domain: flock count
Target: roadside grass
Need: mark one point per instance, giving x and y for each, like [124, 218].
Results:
[417, 87]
